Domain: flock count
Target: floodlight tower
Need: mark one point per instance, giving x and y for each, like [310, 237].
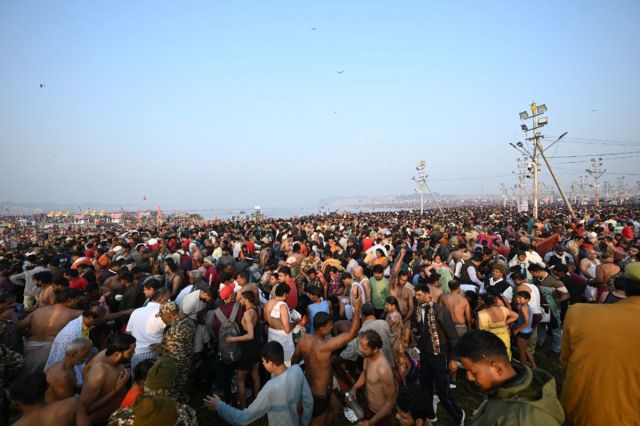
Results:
[583, 192]
[607, 191]
[596, 173]
[622, 190]
[420, 181]
[522, 174]
[538, 121]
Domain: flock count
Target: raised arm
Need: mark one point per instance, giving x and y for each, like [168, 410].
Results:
[343, 338]
[397, 265]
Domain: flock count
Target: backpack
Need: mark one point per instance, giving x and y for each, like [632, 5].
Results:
[229, 352]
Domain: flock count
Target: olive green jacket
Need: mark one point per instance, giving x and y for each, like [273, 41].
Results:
[527, 400]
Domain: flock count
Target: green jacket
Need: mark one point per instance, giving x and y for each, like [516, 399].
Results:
[528, 399]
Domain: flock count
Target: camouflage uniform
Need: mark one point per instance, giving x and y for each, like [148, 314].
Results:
[10, 365]
[178, 343]
[9, 336]
[126, 417]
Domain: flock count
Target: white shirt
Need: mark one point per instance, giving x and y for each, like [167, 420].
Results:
[535, 298]
[191, 304]
[183, 293]
[146, 327]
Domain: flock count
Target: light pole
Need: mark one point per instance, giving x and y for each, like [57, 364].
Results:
[522, 176]
[538, 122]
[596, 173]
[420, 181]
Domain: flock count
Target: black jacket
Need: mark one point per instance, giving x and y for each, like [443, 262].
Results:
[447, 334]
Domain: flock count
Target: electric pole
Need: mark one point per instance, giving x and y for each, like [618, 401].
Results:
[538, 121]
[622, 189]
[583, 192]
[607, 191]
[596, 173]
[522, 176]
[421, 182]
[574, 192]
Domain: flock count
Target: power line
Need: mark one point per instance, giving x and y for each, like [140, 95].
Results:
[595, 140]
[596, 155]
[608, 159]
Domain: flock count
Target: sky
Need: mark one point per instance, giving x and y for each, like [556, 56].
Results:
[282, 103]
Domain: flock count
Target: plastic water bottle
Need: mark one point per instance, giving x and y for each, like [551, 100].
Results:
[352, 402]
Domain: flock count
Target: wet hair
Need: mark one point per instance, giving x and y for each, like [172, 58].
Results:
[95, 311]
[315, 291]
[273, 352]
[367, 310]
[373, 339]
[152, 283]
[392, 301]
[225, 276]
[321, 319]
[478, 345]
[120, 343]
[489, 299]
[285, 270]
[561, 267]
[44, 276]
[454, 284]
[142, 369]
[250, 296]
[410, 400]
[282, 290]
[378, 269]
[159, 293]
[423, 288]
[171, 264]
[126, 275]
[517, 276]
[29, 389]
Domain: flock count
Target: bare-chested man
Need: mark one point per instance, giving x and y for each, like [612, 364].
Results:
[403, 292]
[47, 296]
[317, 351]
[360, 277]
[105, 378]
[61, 376]
[377, 378]
[44, 324]
[27, 395]
[458, 307]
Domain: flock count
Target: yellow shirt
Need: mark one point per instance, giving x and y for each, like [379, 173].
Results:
[601, 354]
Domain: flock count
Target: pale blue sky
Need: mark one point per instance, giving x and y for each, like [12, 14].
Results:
[236, 103]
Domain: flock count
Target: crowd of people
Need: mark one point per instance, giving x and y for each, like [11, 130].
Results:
[367, 316]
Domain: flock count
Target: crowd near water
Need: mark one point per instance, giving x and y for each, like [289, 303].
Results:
[368, 318]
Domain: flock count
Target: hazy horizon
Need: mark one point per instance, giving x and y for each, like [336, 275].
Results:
[211, 104]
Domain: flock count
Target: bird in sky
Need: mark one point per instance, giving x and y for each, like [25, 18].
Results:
[340, 72]
[42, 85]
[594, 110]
[314, 28]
